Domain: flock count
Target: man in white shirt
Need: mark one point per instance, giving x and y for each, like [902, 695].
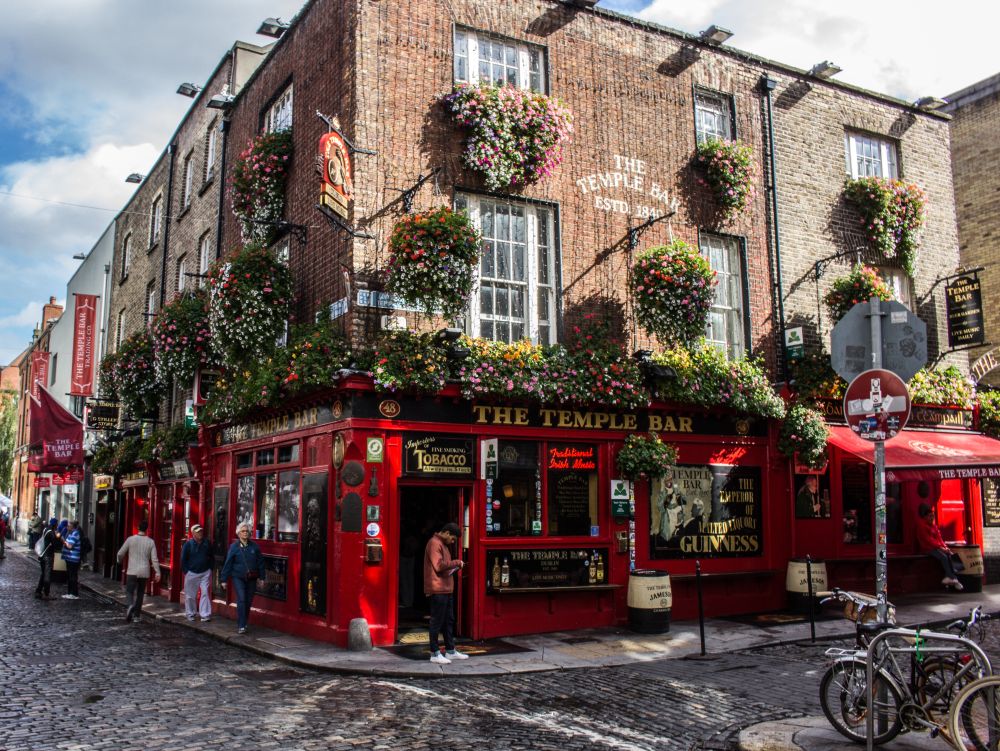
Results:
[142, 564]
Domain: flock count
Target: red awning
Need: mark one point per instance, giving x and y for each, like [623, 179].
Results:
[927, 455]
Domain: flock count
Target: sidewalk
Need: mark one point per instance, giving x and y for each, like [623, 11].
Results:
[585, 648]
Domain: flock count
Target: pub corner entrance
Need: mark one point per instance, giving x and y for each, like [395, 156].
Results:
[423, 510]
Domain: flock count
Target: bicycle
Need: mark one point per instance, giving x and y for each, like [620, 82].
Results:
[915, 700]
[974, 722]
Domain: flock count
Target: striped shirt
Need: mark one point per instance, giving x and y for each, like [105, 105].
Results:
[71, 554]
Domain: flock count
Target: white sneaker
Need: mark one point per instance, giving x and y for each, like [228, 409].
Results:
[67, 597]
[456, 655]
[957, 585]
[947, 581]
[440, 659]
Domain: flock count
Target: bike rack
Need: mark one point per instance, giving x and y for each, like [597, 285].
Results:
[967, 645]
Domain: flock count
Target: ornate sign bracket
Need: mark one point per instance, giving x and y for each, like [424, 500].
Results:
[634, 233]
[336, 221]
[408, 194]
[331, 124]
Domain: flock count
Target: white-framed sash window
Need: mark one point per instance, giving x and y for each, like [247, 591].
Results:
[868, 156]
[480, 58]
[727, 318]
[279, 115]
[713, 117]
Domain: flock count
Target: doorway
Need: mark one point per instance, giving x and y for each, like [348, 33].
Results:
[423, 510]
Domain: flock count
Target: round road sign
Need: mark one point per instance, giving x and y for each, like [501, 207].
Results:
[877, 405]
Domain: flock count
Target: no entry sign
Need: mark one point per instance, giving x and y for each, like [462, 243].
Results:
[877, 405]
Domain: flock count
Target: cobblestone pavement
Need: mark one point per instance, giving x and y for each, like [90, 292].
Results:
[76, 676]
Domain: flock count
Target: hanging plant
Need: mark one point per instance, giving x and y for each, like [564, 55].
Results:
[313, 357]
[947, 387]
[250, 300]
[646, 457]
[257, 187]
[804, 432]
[515, 137]
[110, 386]
[860, 285]
[405, 361]
[989, 412]
[728, 168]
[814, 378]
[182, 337]
[673, 288]
[433, 259]
[892, 213]
[245, 390]
[139, 386]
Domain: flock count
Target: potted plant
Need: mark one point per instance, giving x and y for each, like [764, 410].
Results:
[646, 457]
[257, 188]
[433, 257]
[728, 168]
[860, 285]
[673, 288]
[515, 137]
[892, 213]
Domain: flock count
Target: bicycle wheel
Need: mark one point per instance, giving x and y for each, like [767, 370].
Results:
[843, 695]
[974, 720]
[939, 678]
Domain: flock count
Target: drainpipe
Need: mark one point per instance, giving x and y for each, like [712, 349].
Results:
[224, 127]
[770, 85]
[163, 263]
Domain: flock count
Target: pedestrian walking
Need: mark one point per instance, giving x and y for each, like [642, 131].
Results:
[196, 563]
[931, 542]
[142, 564]
[46, 557]
[245, 564]
[439, 586]
[35, 526]
[72, 553]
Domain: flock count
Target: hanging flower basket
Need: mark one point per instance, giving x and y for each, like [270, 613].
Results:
[989, 413]
[515, 137]
[250, 300]
[257, 187]
[405, 361]
[182, 337]
[860, 285]
[803, 436]
[946, 387]
[433, 259]
[728, 169]
[314, 356]
[646, 457]
[673, 288]
[139, 386]
[892, 213]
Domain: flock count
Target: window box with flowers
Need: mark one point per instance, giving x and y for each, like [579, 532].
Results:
[646, 457]
[433, 258]
[515, 137]
[405, 361]
[728, 169]
[182, 337]
[257, 188]
[946, 388]
[860, 285]
[892, 213]
[673, 289]
[250, 299]
[313, 357]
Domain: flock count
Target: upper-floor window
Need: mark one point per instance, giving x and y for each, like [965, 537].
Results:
[515, 297]
[727, 318]
[155, 220]
[182, 273]
[204, 258]
[52, 368]
[279, 115]
[899, 281]
[868, 156]
[126, 255]
[484, 59]
[211, 146]
[188, 180]
[150, 302]
[713, 116]
[120, 329]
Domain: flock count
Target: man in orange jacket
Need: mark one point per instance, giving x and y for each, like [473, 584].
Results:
[439, 586]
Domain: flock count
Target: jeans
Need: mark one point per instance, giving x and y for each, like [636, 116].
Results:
[442, 619]
[45, 577]
[73, 577]
[193, 584]
[135, 590]
[945, 560]
[244, 599]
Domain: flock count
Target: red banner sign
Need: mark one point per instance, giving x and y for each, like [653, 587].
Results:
[39, 372]
[57, 431]
[73, 476]
[41, 482]
[58, 480]
[82, 376]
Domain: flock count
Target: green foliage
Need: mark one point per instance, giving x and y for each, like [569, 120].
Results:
[8, 440]
[728, 167]
[316, 352]
[804, 432]
[406, 361]
[989, 413]
[258, 185]
[814, 378]
[134, 376]
[947, 387]
[646, 456]
[182, 337]
[860, 285]
[892, 213]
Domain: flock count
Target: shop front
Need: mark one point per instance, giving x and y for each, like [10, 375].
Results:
[343, 495]
[937, 460]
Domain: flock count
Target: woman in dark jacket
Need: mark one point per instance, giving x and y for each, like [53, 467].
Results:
[245, 564]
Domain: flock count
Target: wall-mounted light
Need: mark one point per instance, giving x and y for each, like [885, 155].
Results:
[80, 257]
[825, 70]
[584, 3]
[508, 491]
[929, 103]
[220, 101]
[273, 27]
[188, 89]
[715, 34]
[135, 178]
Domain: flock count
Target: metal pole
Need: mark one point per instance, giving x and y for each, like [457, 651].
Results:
[701, 607]
[809, 588]
[881, 562]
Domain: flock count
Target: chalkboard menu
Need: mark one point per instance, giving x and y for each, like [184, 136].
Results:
[991, 502]
[527, 569]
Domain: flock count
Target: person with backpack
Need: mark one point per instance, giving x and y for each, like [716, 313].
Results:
[72, 554]
[46, 547]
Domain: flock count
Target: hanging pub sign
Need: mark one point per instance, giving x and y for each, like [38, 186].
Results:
[438, 456]
[710, 511]
[39, 371]
[965, 312]
[338, 176]
[102, 414]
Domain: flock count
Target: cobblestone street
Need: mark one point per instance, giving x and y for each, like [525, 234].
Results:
[75, 675]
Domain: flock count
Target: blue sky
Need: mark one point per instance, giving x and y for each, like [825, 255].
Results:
[87, 88]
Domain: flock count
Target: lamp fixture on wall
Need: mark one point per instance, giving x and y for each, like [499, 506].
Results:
[273, 27]
[135, 178]
[825, 70]
[188, 89]
[929, 103]
[715, 34]
[80, 257]
[220, 101]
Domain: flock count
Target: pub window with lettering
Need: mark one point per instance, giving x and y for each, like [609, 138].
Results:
[515, 297]
[268, 495]
[483, 59]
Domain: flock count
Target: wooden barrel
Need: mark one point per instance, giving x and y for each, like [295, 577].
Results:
[797, 584]
[649, 601]
[972, 558]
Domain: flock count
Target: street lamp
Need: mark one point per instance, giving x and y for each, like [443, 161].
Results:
[220, 101]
